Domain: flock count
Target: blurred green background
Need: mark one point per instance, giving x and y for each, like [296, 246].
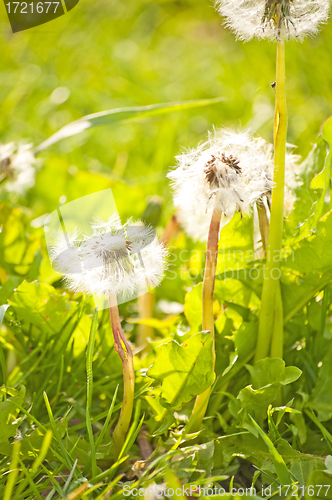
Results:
[112, 53]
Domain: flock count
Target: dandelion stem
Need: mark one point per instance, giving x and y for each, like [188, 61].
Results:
[271, 306]
[122, 347]
[202, 400]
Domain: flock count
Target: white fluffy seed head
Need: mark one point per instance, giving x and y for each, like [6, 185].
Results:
[107, 262]
[233, 169]
[17, 167]
[273, 19]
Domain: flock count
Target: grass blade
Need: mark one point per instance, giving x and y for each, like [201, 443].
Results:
[118, 115]
[56, 433]
[89, 391]
[103, 431]
[13, 471]
[279, 464]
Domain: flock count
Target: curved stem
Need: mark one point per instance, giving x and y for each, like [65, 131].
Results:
[272, 267]
[202, 400]
[122, 347]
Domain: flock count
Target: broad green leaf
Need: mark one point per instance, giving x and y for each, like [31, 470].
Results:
[8, 412]
[236, 247]
[8, 408]
[301, 465]
[193, 307]
[256, 401]
[307, 268]
[319, 486]
[245, 340]
[183, 370]
[320, 398]
[42, 306]
[323, 181]
[302, 219]
[114, 116]
[205, 457]
[270, 370]
[268, 375]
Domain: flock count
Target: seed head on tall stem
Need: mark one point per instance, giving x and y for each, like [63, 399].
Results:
[230, 172]
[116, 261]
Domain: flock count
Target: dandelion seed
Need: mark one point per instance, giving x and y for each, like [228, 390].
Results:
[233, 169]
[17, 167]
[274, 19]
[114, 260]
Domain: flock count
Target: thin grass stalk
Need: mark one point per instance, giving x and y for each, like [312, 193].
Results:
[268, 316]
[122, 347]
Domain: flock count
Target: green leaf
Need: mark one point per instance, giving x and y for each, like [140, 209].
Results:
[307, 268]
[245, 340]
[8, 411]
[41, 305]
[184, 370]
[236, 245]
[270, 370]
[205, 457]
[319, 486]
[268, 375]
[115, 116]
[278, 462]
[320, 398]
[256, 401]
[193, 307]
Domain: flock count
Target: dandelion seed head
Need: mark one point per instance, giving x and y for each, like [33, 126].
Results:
[232, 169]
[18, 167]
[273, 19]
[106, 263]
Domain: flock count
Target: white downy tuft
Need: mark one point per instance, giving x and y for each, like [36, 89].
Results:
[114, 259]
[273, 19]
[233, 169]
[17, 167]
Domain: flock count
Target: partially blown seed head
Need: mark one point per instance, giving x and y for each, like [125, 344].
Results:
[115, 259]
[274, 19]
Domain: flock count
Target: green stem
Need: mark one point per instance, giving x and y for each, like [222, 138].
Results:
[277, 344]
[122, 347]
[272, 267]
[202, 400]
